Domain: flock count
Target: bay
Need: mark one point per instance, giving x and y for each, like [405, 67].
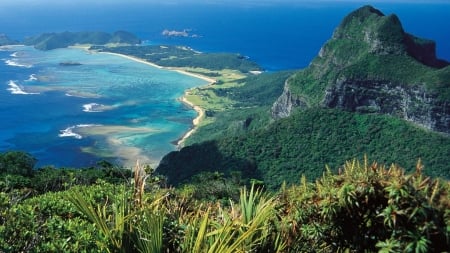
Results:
[108, 107]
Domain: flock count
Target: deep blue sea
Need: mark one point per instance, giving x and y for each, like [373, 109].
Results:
[113, 108]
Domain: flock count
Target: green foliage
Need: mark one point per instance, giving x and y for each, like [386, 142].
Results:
[257, 90]
[251, 109]
[18, 175]
[177, 56]
[47, 223]
[243, 228]
[305, 142]
[17, 163]
[355, 210]
[110, 224]
[365, 207]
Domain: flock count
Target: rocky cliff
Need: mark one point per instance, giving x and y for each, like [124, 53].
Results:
[371, 65]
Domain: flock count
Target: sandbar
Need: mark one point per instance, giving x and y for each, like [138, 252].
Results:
[109, 130]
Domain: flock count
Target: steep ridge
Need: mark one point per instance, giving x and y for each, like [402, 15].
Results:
[371, 65]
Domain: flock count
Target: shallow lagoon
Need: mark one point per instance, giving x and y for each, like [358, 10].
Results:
[109, 107]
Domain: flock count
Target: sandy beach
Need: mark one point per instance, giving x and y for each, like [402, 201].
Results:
[183, 99]
[195, 122]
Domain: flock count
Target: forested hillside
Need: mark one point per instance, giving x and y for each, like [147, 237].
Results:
[373, 90]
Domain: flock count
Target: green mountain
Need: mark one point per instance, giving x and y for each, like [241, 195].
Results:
[49, 41]
[371, 65]
[372, 90]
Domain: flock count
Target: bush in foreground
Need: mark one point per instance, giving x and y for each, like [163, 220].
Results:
[365, 207]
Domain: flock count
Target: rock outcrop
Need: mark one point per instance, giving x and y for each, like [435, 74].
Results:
[370, 65]
[413, 104]
[286, 103]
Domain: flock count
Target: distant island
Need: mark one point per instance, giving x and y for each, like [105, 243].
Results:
[49, 41]
[5, 40]
[182, 33]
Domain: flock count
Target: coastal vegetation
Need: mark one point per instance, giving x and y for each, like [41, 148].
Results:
[367, 206]
[180, 56]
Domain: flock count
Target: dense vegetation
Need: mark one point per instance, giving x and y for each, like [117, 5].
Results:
[250, 109]
[367, 46]
[177, 56]
[365, 207]
[17, 171]
[305, 142]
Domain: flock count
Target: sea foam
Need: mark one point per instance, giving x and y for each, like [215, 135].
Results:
[16, 89]
[32, 78]
[69, 132]
[16, 64]
[92, 107]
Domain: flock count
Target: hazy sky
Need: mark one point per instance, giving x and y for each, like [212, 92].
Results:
[165, 2]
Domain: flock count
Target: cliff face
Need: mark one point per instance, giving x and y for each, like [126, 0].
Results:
[286, 103]
[371, 65]
[413, 104]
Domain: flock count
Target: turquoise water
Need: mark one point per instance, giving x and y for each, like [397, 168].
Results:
[109, 107]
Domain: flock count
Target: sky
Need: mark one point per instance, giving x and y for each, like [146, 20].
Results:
[168, 2]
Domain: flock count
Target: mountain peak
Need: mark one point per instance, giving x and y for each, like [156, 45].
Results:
[372, 65]
[368, 30]
[374, 31]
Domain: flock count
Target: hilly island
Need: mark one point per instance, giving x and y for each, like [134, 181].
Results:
[350, 154]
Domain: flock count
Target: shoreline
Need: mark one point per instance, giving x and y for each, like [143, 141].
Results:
[200, 111]
[195, 122]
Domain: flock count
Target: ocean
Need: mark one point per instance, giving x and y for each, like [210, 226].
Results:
[120, 110]
[107, 108]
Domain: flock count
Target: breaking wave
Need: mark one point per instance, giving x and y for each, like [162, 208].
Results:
[69, 132]
[16, 89]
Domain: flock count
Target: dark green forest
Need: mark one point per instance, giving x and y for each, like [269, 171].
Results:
[285, 150]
